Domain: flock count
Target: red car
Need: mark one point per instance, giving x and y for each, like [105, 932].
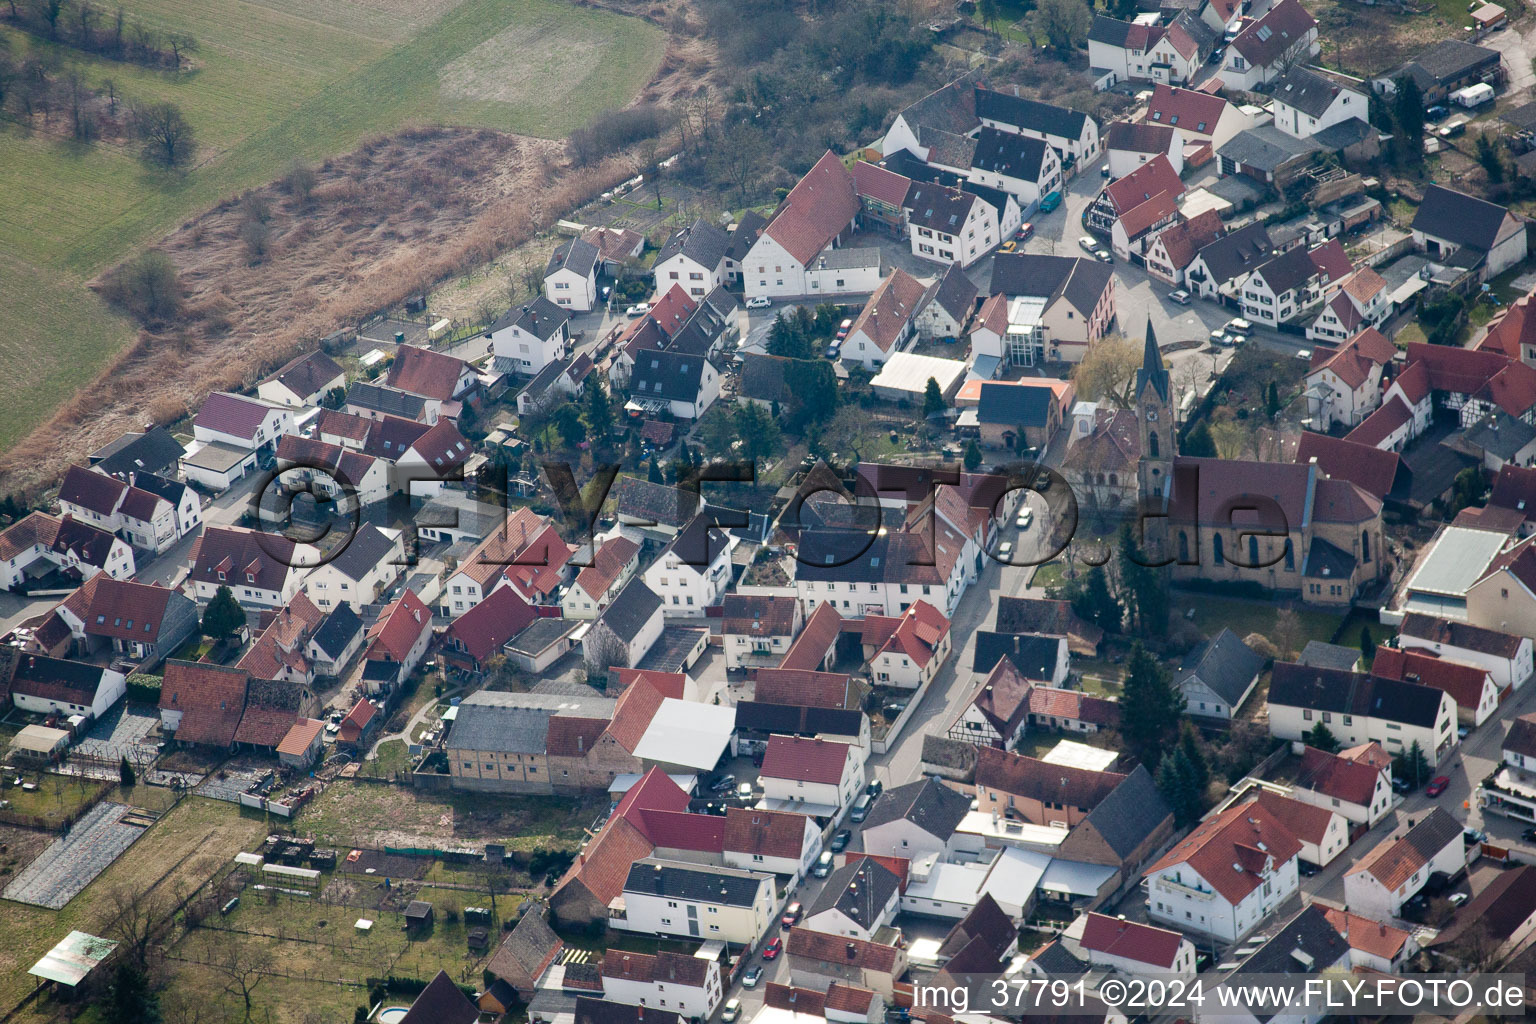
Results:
[1437, 785]
[771, 951]
[1024, 232]
[792, 915]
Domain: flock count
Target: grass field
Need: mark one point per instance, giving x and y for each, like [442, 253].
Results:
[275, 83]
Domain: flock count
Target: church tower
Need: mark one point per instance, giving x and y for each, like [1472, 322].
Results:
[1154, 421]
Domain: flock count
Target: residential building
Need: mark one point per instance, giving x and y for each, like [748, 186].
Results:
[1508, 658]
[1071, 133]
[908, 651]
[611, 567]
[793, 254]
[142, 518]
[1448, 221]
[1303, 946]
[781, 842]
[570, 277]
[1220, 267]
[810, 775]
[139, 622]
[1307, 102]
[625, 630]
[913, 820]
[303, 381]
[481, 633]
[695, 901]
[1055, 307]
[756, 630]
[1026, 167]
[1039, 792]
[947, 225]
[1217, 678]
[947, 305]
[1283, 288]
[1203, 118]
[1131, 144]
[1124, 51]
[822, 959]
[1361, 709]
[1322, 832]
[1471, 686]
[529, 950]
[689, 986]
[1373, 945]
[684, 385]
[399, 638]
[885, 324]
[1132, 948]
[856, 900]
[54, 686]
[1446, 66]
[1227, 876]
[263, 570]
[1344, 386]
[366, 567]
[1268, 48]
[692, 571]
[1380, 883]
[329, 472]
[530, 337]
[1356, 782]
[693, 258]
[1007, 407]
[250, 424]
[152, 451]
[1128, 197]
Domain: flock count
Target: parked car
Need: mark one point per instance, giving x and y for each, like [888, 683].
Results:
[1181, 296]
[823, 866]
[1025, 232]
[1436, 112]
[875, 787]
[1306, 868]
[731, 1010]
[1472, 836]
[1462, 732]
[744, 791]
[840, 840]
[1529, 835]
[1005, 550]
[1103, 256]
[843, 329]
[1104, 171]
[833, 350]
[723, 783]
[1050, 201]
[1401, 785]
[1234, 339]
[1087, 243]
[638, 309]
[861, 808]
[1437, 785]
[751, 976]
[1008, 246]
[1239, 325]
[1456, 899]
[772, 950]
[1025, 517]
[1216, 54]
[792, 915]
[1304, 354]
[1218, 336]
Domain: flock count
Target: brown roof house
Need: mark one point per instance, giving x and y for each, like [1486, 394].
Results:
[824, 959]
[527, 952]
[202, 704]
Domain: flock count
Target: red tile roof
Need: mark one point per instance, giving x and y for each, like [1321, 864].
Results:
[764, 833]
[815, 640]
[1130, 940]
[230, 414]
[242, 558]
[1462, 681]
[271, 709]
[672, 310]
[758, 614]
[632, 715]
[282, 640]
[442, 448]
[1353, 360]
[95, 492]
[1372, 469]
[1152, 178]
[668, 684]
[1382, 423]
[1307, 822]
[357, 720]
[879, 184]
[124, 610]
[993, 315]
[1225, 850]
[1034, 779]
[1183, 240]
[1073, 704]
[398, 628]
[1375, 938]
[886, 315]
[1192, 112]
[805, 760]
[573, 736]
[300, 735]
[210, 698]
[1515, 488]
[1510, 331]
[655, 791]
[817, 209]
[1267, 40]
[603, 866]
[1143, 217]
[607, 566]
[806, 688]
[539, 569]
[843, 949]
[1409, 849]
[484, 629]
[1337, 777]
[424, 372]
[922, 628]
[1331, 262]
[795, 1000]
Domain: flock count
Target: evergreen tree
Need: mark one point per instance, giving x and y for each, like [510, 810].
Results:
[933, 398]
[1175, 780]
[1367, 644]
[972, 457]
[125, 772]
[653, 474]
[1272, 400]
[1412, 766]
[1408, 112]
[1323, 738]
[1150, 707]
[1198, 443]
[129, 998]
[1489, 155]
[1199, 766]
[812, 391]
[1144, 589]
[599, 409]
[1097, 603]
[223, 615]
[759, 433]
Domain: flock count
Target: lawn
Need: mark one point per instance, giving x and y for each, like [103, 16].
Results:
[1245, 615]
[275, 83]
[55, 798]
[182, 849]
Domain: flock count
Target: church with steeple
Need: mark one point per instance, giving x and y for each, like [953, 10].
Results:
[1287, 527]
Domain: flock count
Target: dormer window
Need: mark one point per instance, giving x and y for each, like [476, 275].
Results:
[250, 578]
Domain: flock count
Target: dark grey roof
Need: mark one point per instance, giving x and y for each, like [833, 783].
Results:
[671, 375]
[1459, 218]
[701, 242]
[631, 610]
[993, 197]
[861, 889]
[1327, 561]
[699, 884]
[1318, 654]
[380, 671]
[1080, 281]
[538, 317]
[505, 730]
[1522, 117]
[154, 451]
[743, 525]
[1130, 813]
[696, 545]
[722, 303]
[1139, 137]
[748, 228]
[765, 377]
[576, 255]
[951, 107]
[1030, 115]
[71, 675]
[160, 487]
[907, 164]
[1449, 60]
[1013, 405]
[1344, 134]
[1057, 961]
[1266, 148]
[794, 720]
[938, 207]
[338, 630]
[601, 1011]
[1016, 156]
[1033, 654]
[1306, 90]
[368, 546]
[1349, 693]
[1226, 666]
[1308, 934]
[1501, 434]
[1110, 31]
[391, 401]
[1291, 269]
[540, 633]
[441, 1002]
[953, 291]
[1152, 373]
[638, 498]
[928, 804]
[1237, 253]
[1195, 27]
[544, 378]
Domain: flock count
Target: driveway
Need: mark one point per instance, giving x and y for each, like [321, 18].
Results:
[1518, 45]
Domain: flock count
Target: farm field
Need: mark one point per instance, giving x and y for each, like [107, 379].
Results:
[275, 83]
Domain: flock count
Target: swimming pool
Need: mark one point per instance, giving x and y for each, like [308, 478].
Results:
[393, 1014]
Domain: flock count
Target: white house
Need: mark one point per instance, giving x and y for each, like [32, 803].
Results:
[692, 571]
[1071, 133]
[1476, 695]
[1448, 220]
[1125, 51]
[888, 320]
[1132, 948]
[626, 629]
[1356, 782]
[908, 651]
[1383, 880]
[694, 259]
[1373, 945]
[856, 900]
[365, 568]
[595, 585]
[48, 686]
[947, 225]
[240, 421]
[681, 384]
[1322, 831]
[65, 543]
[811, 775]
[184, 501]
[1132, 143]
[781, 842]
[144, 519]
[912, 820]
[530, 337]
[303, 381]
[351, 479]
[1201, 116]
[1345, 386]
[1361, 709]
[1021, 165]
[818, 212]
[1363, 300]
[264, 570]
[687, 985]
[1268, 48]
[1508, 658]
[756, 630]
[946, 306]
[1282, 288]
[1306, 103]
[570, 277]
[1217, 678]
[695, 901]
[1226, 877]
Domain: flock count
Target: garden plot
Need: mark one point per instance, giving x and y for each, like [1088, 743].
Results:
[122, 731]
[235, 778]
[74, 860]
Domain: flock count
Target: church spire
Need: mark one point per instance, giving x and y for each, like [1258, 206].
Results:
[1152, 371]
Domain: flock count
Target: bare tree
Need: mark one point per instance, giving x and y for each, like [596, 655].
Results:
[1287, 633]
[79, 95]
[85, 19]
[167, 137]
[180, 44]
[256, 236]
[136, 918]
[242, 964]
[604, 650]
[300, 183]
[110, 88]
